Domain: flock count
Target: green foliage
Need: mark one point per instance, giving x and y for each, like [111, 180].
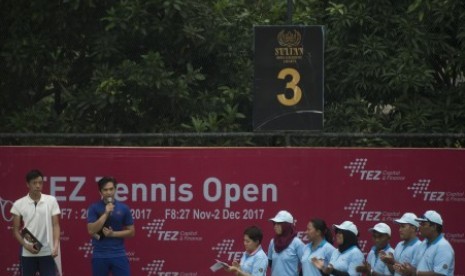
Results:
[391, 66]
[394, 66]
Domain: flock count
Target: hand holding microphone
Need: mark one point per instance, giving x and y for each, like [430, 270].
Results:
[109, 206]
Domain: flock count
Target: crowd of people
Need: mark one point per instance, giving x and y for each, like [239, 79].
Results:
[289, 256]
[109, 222]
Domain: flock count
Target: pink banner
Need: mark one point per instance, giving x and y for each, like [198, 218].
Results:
[191, 205]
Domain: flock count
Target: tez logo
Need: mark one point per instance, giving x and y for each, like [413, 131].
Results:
[155, 227]
[420, 189]
[358, 167]
[156, 267]
[223, 247]
[357, 208]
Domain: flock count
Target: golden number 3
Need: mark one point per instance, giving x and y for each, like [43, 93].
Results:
[297, 95]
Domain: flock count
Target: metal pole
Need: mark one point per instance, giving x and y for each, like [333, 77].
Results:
[289, 12]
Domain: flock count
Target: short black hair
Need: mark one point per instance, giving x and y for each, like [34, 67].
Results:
[254, 233]
[33, 174]
[104, 180]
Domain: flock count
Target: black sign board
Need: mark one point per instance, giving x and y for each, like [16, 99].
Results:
[288, 80]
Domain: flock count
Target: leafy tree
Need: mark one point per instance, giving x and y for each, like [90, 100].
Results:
[154, 66]
[393, 66]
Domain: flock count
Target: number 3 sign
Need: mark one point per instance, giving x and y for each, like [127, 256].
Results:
[288, 80]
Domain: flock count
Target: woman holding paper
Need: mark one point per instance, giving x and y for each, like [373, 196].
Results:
[254, 261]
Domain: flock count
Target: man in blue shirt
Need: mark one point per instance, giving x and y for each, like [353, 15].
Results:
[436, 255]
[109, 222]
[381, 234]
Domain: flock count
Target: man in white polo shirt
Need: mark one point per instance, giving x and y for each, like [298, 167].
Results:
[39, 214]
[436, 256]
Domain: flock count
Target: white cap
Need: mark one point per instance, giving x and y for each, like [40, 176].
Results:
[408, 218]
[347, 225]
[432, 216]
[382, 228]
[283, 216]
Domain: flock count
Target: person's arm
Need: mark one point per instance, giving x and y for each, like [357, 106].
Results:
[365, 268]
[388, 260]
[330, 270]
[374, 273]
[336, 272]
[94, 227]
[405, 269]
[236, 269]
[300, 252]
[300, 249]
[391, 268]
[270, 254]
[16, 233]
[319, 264]
[56, 234]
[239, 272]
[128, 229]
[128, 232]
[232, 269]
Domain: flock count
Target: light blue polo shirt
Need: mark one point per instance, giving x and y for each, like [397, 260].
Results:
[323, 251]
[348, 260]
[437, 256]
[419, 251]
[287, 261]
[405, 252]
[256, 263]
[377, 265]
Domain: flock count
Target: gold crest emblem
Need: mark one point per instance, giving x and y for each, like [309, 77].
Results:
[289, 39]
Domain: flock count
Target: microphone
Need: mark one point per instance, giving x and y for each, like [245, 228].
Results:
[107, 201]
